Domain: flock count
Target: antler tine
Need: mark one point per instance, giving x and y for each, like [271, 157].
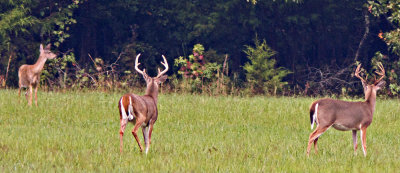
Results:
[357, 73]
[381, 73]
[137, 66]
[165, 63]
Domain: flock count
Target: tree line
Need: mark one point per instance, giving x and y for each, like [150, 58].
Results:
[303, 47]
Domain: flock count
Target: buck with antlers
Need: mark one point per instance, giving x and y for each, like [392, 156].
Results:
[29, 75]
[343, 115]
[141, 110]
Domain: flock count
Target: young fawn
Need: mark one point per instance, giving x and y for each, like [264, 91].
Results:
[29, 75]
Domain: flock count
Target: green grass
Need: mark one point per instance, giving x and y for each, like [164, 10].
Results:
[80, 132]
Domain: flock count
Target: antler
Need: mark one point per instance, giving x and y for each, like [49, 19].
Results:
[137, 66]
[165, 63]
[382, 73]
[357, 74]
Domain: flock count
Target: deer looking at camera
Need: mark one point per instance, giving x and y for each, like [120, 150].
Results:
[141, 110]
[29, 75]
[343, 115]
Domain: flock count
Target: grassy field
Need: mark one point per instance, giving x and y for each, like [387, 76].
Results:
[79, 132]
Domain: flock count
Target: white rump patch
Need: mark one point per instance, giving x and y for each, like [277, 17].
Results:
[130, 109]
[314, 116]
[123, 109]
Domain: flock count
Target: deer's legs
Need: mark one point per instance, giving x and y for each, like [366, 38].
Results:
[363, 136]
[355, 141]
[36, 90]
[150, 131]
[138, 123]
[30, 95]
[315, 145]
[19, 92]
[314, 135]
[145, 131]
[121, 133]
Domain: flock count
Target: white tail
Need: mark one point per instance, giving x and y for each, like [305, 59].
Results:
[314, 116]
[123, 112]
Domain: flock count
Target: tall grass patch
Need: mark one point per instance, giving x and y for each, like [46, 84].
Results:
[79, 131]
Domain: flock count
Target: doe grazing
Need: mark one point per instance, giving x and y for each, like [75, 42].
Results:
[29, 75]
[141, 110]
[344, 115]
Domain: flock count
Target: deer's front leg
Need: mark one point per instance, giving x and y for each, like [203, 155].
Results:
[150, 130]
[363, 136]
[138, 123]
[145, 131]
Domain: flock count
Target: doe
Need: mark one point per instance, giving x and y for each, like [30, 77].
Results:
[141, 110]
[29, 75]
[343, 115]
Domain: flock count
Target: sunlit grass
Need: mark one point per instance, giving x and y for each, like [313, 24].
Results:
[79, 132]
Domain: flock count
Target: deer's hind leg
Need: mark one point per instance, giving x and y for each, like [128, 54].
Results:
[315, 145]
[139, 121]
[121, 133]
[315, 135]
[355, 141]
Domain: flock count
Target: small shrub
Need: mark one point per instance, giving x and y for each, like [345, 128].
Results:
[261, 73]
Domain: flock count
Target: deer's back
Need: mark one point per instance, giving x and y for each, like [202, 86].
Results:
[142, 106]
[344, 115]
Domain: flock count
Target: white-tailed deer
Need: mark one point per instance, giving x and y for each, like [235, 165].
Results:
[29, 75]
[141, 110]
[343, 115]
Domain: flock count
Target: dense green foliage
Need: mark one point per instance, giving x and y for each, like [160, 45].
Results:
[308, 36]
[78, 132]
[261, 72]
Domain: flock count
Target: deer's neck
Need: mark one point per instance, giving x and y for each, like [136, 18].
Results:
[370, 98]
[38, 66]
[152, 90]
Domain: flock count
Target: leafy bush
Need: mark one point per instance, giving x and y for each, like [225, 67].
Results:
[199, 75]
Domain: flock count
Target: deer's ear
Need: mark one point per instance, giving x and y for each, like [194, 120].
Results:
[41, 48]
[381, 84]
[162, 79]
[48, 47]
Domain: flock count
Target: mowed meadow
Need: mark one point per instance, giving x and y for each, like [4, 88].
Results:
[79, 131]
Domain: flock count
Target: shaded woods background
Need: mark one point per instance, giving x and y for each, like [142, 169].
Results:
[266, 47]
